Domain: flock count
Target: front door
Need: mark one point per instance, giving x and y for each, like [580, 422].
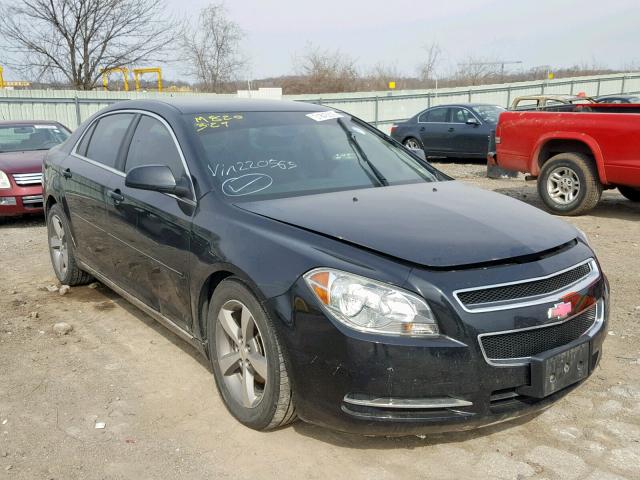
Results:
[152, 229]
[468, 139]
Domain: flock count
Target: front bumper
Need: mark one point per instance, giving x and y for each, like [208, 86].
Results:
[17, 201]
[376, 385]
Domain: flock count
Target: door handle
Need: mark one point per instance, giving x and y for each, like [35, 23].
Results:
[116, 196]
[422, 129]
[67, 173]
[451, 129]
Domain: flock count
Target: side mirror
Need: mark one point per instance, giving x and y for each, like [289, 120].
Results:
[157, 178]
[419, 152]
[472, 121]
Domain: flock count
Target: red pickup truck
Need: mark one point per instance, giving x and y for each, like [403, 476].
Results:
[574, 155]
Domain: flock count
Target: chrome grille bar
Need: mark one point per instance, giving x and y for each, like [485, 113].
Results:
[23, 179]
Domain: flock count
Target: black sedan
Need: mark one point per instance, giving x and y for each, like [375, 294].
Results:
[620, 98]
[459, 131]
[325, 271]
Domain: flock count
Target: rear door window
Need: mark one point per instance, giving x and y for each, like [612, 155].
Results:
[437, 115]
[107, 137]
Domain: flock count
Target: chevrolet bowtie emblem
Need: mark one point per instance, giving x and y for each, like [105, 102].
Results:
[560, 310]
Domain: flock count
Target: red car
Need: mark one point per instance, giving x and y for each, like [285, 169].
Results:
[23, 145]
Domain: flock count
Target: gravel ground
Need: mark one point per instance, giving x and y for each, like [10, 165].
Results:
[164, 419]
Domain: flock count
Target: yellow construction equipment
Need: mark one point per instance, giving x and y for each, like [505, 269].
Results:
[17, 83]
[107, 71]
[139, 71]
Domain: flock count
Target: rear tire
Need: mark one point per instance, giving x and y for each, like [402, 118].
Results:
[413, 143]
[247, 359]
[61, 249]
[630, 193]
[569, 185]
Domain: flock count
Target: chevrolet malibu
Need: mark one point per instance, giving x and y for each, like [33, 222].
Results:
[23, 146]
[325, 271]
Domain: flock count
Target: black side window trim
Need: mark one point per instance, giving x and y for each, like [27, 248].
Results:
[88, 134]
[123, 152]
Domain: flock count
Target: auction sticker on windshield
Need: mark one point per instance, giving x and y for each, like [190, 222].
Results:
[322, 116]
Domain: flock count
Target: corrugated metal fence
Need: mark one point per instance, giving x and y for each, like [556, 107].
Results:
[380, 108]
[383, 109]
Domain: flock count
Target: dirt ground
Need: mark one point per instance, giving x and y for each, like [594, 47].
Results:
[164, 419]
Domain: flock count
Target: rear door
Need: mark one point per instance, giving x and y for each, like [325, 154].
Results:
[433, 126]
[86, 173]
[151, 229]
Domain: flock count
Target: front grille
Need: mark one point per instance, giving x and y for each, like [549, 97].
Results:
[23, 179]
[525, 289]
[526, 343]
[32, 201]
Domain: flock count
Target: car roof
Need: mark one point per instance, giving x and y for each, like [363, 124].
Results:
[468, 105]
[192, 105]
[10, 123]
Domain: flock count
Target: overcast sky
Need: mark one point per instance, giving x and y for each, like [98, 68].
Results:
[538, 32]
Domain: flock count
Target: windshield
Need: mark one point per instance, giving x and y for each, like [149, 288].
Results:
[26, 137]
[489, 113]
[258, 155]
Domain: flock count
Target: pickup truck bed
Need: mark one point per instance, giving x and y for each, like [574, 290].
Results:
[574, 155]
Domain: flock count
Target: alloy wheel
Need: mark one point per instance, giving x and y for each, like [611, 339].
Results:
[58, 246]
[563, 185]
[412, 143]
[241, 354]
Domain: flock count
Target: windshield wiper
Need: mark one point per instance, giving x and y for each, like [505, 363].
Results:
[361, 155]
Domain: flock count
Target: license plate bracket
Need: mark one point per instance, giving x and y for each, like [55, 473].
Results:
[555, 370]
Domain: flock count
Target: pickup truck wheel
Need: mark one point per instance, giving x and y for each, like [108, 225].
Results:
[568, 184]
[247, 359]
[630, 193]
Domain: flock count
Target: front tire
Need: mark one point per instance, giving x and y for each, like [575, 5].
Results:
[630, 193]
[247, 359]
[569, 185]
[61, 250]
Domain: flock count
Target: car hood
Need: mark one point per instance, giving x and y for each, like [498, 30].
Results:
[443, 224]
[22, 162]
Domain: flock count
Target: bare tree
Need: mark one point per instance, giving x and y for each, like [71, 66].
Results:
[73, 40]
[427, 68]
[212, 48]
[476, 71]
[325, 71]
[382, 74]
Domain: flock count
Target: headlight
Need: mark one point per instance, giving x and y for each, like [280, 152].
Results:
[370, 306]
[4, 180]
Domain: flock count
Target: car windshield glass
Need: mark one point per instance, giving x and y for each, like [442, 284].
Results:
[259, 155]
[20, 138]
[489, 113]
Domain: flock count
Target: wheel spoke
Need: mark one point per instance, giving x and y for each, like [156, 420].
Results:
[229, 363]
[57, 226]
[259, 364]
[55, 242]
[225, 317]
[246, 322]
[248, 390]
[57, 259]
